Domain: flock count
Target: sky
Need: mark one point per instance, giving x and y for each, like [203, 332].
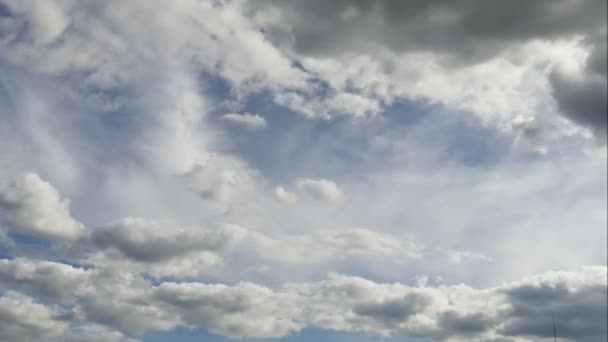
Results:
[347, 170]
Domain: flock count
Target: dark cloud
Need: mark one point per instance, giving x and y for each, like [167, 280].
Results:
[580, 312]
[465, 28]
[395, 310]
[458, 323]
[151, 242]
[583, 97]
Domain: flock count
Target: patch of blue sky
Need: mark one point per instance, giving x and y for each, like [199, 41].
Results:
[292, 145]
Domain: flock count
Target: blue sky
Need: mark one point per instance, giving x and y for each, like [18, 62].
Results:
[265, 170]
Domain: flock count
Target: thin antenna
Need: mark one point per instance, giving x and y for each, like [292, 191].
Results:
[554, 334]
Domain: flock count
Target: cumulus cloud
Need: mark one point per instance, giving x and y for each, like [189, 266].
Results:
[49, 279]
[320, 189]
[520, 309]
[122, 302]
[246, 120]
[566, 297]
[457, 312]
[159, 249]
[243, 310]
[32, 206]
[23, 319]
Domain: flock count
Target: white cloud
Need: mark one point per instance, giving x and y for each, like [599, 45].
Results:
[243, 310]
[320, 189]
[338, 103]
[285, 196]
[32, 206]
[50, 279]
[246, 120]
[22, 319]
[457, 312]
[323, 246]
[458, 257]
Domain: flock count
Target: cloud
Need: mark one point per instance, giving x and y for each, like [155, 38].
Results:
[337, 103]
[220, 179]
[575, 301]
[159, 249]
[150, 241]
[320, 189]
[43, 24]
[246, 120]
[121, 301]
[22, 319]
[32, 206]
[243, 310]
[96, 333]
[285, 196]
[582, 96]
[103, 63]
[43, 278]
[382, 51]
[323, 246]
[481, 28]
[132, 305]
[458, 257]
[459, 312]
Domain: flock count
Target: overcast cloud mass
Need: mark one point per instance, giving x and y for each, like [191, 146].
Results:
[341, 170]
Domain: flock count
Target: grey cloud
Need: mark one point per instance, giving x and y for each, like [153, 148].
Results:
[395, 310]
[507, 312]
[159, 249]
[580, 312]
[147, 241]
[467, 28]
[452, 322]
[583, 97]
